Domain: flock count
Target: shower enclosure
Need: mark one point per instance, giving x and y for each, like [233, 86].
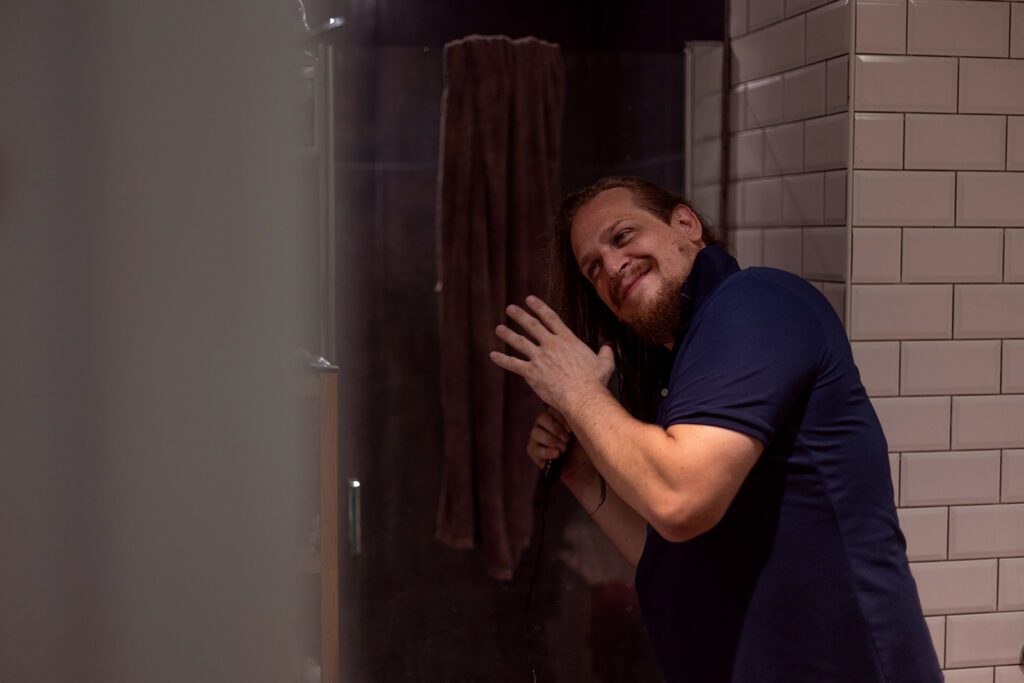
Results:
[411, 608]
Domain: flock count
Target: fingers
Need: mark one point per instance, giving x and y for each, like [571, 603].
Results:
[509, 363]
[516, 341]
[547, 315]
[526, 321]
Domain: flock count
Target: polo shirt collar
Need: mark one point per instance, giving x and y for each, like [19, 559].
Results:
[712, 266]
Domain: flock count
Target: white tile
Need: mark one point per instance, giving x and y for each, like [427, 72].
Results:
[878, 141]
[1017, 32]
[827, 142]
[835, 197]
[901, 312]
[952, 255]
[763, 100]
[1011, 584]
[990, 198]
[953, 142]
[894, 472]
[956, 587]
[803, 92]
[803, 199]
[984, 639]
[762, 202]
[707, 199]
[876, 255]
[914, 424]
[988, 422]
[763, 12]
[988, 311]
[991, 86]
[898, 198]
[748, 244]
[835, 293]
[977, 531]
[925, 531]
[879, 366]
[769, 50]
[882, 26]
[1012, 476]
[837, 84]
[1010, 674]
[1013, 263]
[784, 149]
[968, 675]
[737, 17]
[824, 253]
[949, 478]
[783, 249]
[1015, 138]
[737, 109]
[962, 28]
[1013, 366]
[929, 368]
[707, 161]
[905, 84]
[746, 154]
[828, 31]
[937, 630]
[799, 6]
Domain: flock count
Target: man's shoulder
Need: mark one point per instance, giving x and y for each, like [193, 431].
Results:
[757, 284]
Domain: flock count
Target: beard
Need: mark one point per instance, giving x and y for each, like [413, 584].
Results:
[658, 322]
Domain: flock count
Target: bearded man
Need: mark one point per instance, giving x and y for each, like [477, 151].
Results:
[739, 465]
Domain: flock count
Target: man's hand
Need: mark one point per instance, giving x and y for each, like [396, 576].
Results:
[557, 363]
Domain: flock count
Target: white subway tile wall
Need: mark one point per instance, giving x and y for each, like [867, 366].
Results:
[925, 530]
[991, 86]
[1015, 141]
[1013, 366]
[949, 367]
[901, 312]
[904, 198]
[949, 478]
[952, 255]
[980, 639]
[958, 27]
[955, 141]
[905, 84]
[986, 531]
[879, 366]
[882, 26]
[969, 675]
[1012, 476]
[956, 587]
[929, 256]
[876, 255]
[1011, 584]
[878, 141]
[914, 423]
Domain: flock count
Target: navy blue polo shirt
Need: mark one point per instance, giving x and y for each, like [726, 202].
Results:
[805, 579]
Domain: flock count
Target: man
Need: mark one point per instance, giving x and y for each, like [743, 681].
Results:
[752, 491]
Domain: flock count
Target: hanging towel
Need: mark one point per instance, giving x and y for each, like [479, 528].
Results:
[499, 165]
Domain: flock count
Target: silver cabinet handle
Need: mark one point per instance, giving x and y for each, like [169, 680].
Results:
[355, 517]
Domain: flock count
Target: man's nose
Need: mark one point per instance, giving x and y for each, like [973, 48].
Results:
[615, 264]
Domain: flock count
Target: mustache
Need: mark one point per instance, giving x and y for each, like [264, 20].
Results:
[628, 278]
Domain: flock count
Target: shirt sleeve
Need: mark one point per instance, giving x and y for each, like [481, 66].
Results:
[746, 360]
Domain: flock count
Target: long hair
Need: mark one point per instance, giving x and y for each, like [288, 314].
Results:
[636, 361]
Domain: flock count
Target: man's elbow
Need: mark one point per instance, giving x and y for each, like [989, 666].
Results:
[679, 521]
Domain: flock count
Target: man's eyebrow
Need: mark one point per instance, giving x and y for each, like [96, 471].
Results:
[604, 236]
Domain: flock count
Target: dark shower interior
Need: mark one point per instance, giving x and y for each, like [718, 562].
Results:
[413, 609]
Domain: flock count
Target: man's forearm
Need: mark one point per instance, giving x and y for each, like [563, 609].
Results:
[624, 526]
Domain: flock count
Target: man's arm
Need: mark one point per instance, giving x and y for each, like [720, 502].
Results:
[681, 480]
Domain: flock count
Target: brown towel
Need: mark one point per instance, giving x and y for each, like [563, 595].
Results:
[497, 187]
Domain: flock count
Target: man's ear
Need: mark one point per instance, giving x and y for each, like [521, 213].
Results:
[685, 220]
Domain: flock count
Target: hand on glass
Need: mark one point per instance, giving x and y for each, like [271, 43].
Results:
[556, 363]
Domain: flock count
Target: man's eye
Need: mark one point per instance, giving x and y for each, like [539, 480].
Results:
[623, 235]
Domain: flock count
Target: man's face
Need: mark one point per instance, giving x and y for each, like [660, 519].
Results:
[635, 261]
